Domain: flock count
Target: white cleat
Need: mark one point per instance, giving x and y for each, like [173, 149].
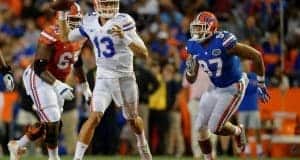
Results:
[145, 152]
[15, 152]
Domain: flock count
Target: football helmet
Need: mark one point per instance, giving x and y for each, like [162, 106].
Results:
[74, 16]
[107, 8]
[203, 26]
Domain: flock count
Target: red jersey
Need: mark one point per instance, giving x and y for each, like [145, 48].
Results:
[65, 53]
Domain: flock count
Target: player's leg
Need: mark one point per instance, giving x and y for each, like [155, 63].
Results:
[128, 98]
[243, 118]
[33, 132]
[254, 127]
[201, 124]
[227, 104]
[193, 108]
[100, 101]
[18, 147]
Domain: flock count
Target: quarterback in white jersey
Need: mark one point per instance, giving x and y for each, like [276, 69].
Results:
[115, 42]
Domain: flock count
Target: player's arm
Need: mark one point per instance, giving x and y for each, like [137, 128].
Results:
[192, 67]
[63, 27]
[79, 73]
[247, 52]
[43, 54]
[45, 49]
[132, 40]
[7, 74]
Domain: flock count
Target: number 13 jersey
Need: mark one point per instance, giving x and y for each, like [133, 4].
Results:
[64, 54]
[223, 68]
[113, 58]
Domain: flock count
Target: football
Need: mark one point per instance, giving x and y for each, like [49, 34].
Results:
[61, 5]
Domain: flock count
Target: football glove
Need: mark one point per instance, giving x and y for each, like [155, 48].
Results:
[63, 90]
[8, 78]
[191, 65]
[262, 91]
[87, 93]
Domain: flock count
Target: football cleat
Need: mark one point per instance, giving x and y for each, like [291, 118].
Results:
[15, 152]
[241, 139]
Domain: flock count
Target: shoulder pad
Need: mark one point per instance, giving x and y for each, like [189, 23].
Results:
[229, 40]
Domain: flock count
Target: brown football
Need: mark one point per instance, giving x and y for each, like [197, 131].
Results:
[61, 5]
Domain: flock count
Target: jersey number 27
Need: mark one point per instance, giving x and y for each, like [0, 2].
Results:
[214, 61]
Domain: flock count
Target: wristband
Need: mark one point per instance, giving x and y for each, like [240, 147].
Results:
[127, 40]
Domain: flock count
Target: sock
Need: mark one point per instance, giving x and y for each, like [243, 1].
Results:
[22, 142]
[247, 149]
[53, 153]
[237, 130]
[80, 150]
[259, 149]
[207, 156]
[141, 139]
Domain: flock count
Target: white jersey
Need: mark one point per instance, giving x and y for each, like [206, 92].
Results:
[113, 58]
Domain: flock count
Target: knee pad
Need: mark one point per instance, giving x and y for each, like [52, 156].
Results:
[35, 131]
[52, 133]
[130, 111]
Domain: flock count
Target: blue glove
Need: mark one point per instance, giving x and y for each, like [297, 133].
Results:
[262, 92]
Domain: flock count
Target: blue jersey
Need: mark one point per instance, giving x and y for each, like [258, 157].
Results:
[223, 69]
[249, 102]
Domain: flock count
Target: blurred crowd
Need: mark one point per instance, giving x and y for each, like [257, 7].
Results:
[164, 26]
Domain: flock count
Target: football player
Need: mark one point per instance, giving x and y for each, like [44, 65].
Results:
[7, 74]
[115, 42]
[44, 82]
[219, 53]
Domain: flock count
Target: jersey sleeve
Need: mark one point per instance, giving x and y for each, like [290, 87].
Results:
[127, 22]
[47, 36]
[229, 40]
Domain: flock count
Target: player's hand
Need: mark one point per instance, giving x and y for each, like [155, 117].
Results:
[117, 31]
[191, 65]
[63, 90]
[87, 93]
[8, 78]
[262, 92]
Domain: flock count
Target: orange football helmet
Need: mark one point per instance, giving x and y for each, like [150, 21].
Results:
[204, 26]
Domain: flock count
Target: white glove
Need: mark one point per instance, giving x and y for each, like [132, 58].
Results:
[63, 90]
[87, 93]
[9, 82]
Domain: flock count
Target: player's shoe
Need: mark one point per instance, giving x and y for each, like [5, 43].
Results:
[145, 153]
[241, 139]
[15, 152]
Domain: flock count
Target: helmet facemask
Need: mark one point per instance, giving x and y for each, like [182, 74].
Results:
[107, 8]
[200, 31]
[74, 21]
[74, 16]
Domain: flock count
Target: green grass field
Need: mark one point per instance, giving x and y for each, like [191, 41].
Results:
[137, 158]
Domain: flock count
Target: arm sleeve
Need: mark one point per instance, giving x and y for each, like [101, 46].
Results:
[229, 40]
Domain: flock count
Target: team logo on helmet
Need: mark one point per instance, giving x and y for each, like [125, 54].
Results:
[203, 26]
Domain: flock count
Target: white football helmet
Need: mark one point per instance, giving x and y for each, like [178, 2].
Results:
[107, 8]
[74, 16]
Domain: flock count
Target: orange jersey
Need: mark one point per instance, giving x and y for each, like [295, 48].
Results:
[65, 53]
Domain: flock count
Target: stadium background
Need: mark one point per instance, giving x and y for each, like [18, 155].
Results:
[164, 25]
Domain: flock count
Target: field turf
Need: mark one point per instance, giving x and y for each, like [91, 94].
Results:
[137, 158]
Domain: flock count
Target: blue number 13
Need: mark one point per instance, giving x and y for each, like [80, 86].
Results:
[109, 49]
